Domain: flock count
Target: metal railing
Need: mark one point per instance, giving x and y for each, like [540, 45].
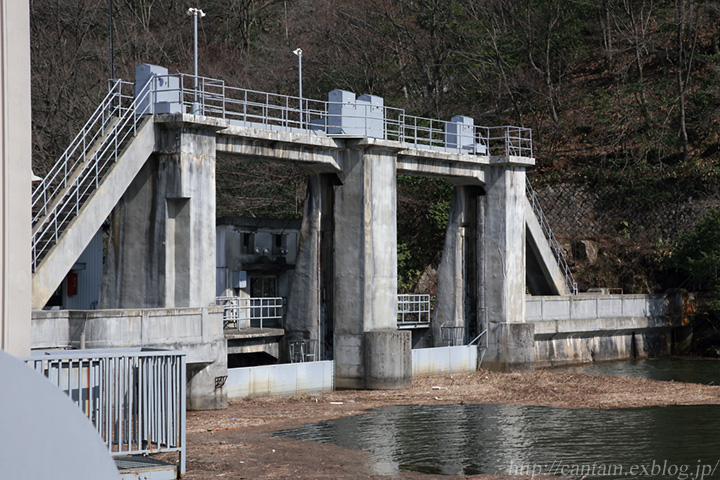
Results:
[414, 309]
[301, 351]
[552, 241]
[288, 113]
[135, 398]
[79, 171]
[61, 173]
[231, 311]
[452, 335]
[243, 312]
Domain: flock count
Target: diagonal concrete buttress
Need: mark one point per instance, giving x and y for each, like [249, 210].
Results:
[60, 259]
[544, 276]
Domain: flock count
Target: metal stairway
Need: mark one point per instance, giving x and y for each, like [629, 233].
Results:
[84, 185]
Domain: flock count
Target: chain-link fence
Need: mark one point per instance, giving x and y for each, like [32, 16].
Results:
[578, 210]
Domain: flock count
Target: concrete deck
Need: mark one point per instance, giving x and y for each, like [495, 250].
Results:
[254, 340]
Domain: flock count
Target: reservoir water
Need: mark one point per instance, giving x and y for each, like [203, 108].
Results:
[658, 443]
[692, 370]
[677, 442]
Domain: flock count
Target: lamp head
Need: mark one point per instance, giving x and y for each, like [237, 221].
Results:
[298, 52]
[195, 11]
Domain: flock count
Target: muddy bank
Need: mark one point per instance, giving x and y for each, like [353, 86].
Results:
[237, 443]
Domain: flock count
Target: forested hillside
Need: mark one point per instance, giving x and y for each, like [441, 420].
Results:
[622, 95]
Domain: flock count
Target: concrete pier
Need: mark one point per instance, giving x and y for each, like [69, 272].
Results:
[161, 252]
[303, 310]
[510, 340]
[459, 294]
[365, 264]
[162, 246]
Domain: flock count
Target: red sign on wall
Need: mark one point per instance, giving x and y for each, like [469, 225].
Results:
[72, 284]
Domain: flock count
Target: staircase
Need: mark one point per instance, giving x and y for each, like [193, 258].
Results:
[82, 188]
[548, 246]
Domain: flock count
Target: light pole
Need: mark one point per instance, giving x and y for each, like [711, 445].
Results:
[112, 47]
[298, 52]
[195, 12]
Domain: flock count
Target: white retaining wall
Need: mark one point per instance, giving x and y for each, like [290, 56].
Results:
[282, 379]
[299, 378]
[427, 361]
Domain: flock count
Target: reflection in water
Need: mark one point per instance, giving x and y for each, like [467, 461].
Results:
[678, 442]
[695, 370]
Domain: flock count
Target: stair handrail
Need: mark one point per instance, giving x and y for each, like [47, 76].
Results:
[552, 241]
[94, 164]
[57, 177]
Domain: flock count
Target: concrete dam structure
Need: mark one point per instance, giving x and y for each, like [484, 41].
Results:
[146, 160]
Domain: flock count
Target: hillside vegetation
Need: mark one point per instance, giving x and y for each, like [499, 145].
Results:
[622, 96]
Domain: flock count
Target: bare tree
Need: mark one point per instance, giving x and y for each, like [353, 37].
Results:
[686, 14]
[633, 22]
[604, 15]
[713, 14]
[540, 28]
[488, 56]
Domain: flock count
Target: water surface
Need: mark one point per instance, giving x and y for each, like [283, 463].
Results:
[691, 370]
[658, 443]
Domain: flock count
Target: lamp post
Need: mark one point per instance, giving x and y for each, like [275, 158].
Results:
[195, 12]
[112, 47]
[298, 52]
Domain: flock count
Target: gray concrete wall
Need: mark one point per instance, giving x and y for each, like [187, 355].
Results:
[603, 347]
[197, 331]
[303, 378]
[15, 200]
[162, 246]
[575, 329]
[302, 321]
[504, 269]
[432, 361]
[365, 266]
[451, 290]
[541, 309]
